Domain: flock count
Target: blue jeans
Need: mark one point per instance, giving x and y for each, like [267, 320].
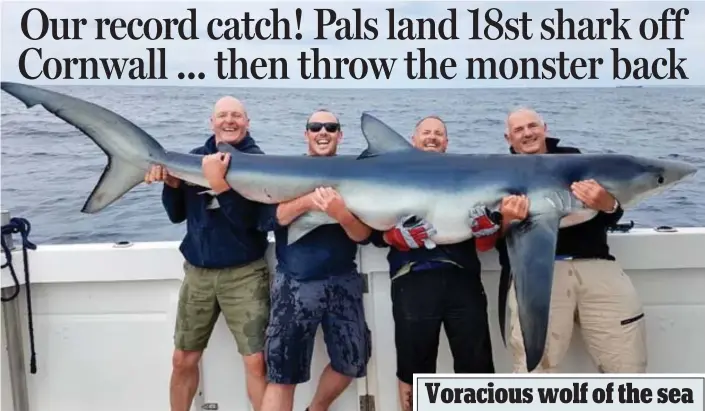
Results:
[297, 308]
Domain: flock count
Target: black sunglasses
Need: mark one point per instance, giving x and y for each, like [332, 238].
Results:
[316, 127]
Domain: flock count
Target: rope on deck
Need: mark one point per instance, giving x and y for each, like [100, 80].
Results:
[23, 227]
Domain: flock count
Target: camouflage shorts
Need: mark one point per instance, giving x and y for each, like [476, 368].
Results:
[241, 294]
[298, 307]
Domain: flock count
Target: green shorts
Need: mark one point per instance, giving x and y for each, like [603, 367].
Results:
[242, 294]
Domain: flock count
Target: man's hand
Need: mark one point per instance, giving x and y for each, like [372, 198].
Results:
[329, 201]
[514, 207]
[159, 173]
[594, 195]
[408, 234]
[214, 167]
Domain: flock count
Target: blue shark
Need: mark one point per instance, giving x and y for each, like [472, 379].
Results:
[387, 182]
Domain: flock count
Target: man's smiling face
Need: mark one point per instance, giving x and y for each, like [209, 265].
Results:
[431, 135]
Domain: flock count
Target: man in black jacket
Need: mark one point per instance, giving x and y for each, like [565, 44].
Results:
[589, 286]
[440, 286]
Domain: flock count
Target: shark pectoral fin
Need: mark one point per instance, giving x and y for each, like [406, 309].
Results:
[505, 280]
[531, 247]
[306, 223]
[380, 137]
[118, 178]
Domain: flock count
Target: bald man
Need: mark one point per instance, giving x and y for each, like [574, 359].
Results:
[440, 286]
[589, 287]
[225, 270]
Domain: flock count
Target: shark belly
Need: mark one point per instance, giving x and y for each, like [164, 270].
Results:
[382, 206]
[446, 207]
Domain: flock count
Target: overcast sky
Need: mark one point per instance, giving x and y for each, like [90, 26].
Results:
[198, 55]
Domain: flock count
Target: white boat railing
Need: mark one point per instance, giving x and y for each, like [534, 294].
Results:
[104, 316]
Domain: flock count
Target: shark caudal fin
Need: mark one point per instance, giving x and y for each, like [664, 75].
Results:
[118, 178]
[380, 137]
[531, 247]
[130, 149]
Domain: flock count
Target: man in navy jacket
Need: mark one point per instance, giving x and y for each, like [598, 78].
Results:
[225, 270]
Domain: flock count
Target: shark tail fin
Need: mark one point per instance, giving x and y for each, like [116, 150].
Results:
[380, 137]
[118, 178]
[130, 150]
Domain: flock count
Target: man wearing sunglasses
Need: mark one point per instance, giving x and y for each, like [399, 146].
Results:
[316, 282]
[440, 286]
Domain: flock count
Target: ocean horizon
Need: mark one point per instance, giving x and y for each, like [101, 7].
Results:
[49, 168]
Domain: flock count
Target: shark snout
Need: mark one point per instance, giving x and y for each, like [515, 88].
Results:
[689, 170]
[676, 171]
[681, 171]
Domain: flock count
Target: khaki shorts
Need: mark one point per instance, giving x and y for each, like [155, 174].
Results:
[600, 298]
[242, 294]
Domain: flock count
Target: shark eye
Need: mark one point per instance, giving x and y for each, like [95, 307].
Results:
[660, 179]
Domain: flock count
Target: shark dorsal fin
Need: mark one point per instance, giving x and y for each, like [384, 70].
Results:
[227, 148]
[380, 137]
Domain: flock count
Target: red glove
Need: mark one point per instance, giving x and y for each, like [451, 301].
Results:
[483, 228]
[409, 233]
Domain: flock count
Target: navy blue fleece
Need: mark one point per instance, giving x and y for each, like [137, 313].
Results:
[222, 237]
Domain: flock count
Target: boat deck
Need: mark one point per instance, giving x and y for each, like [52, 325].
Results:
[104, 318]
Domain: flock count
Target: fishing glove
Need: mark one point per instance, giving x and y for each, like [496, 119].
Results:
[484, 228]
[410, 232]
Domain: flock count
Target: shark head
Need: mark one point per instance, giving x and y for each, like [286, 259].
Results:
[631, 179]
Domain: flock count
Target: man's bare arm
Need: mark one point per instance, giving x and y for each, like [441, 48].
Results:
[291, 210]
[354, 228]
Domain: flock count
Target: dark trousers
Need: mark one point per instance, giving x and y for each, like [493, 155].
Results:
[424, 300]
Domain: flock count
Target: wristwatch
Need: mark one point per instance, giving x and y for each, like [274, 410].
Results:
[614, 209]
